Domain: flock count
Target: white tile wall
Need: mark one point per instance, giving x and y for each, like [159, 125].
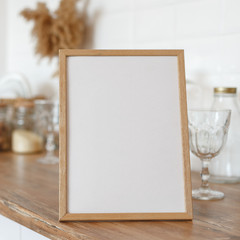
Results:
[143, 4]
[155, 24]
[106, 6]
[113, 31]
[198, 18]
[208, 31]
[167, 44]
[231, 16]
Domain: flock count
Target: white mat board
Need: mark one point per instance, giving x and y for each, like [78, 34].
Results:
[124, 135]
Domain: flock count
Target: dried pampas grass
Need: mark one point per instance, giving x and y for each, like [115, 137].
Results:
[63, 28]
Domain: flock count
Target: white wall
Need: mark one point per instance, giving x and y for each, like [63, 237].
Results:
[3, 39]
[208, 31]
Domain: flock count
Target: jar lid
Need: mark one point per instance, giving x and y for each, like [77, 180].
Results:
[225, 90]
[3, 105]
[24, 103]
[38, 97]
[7, 101]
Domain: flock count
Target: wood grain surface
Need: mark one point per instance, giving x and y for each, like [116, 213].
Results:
[29, 196]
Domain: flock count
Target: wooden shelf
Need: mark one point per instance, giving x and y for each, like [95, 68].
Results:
[29, 196]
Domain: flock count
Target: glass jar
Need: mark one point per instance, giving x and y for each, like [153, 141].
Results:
[24, 138]
[23, 115]
[5, 128]
[225, 168]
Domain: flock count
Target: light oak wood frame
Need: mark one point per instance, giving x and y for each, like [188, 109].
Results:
[64, 215]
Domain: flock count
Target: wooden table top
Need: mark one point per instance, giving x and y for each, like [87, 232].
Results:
[29, 196]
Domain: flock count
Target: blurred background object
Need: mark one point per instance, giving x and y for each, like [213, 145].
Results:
[5, 128]
[28, 124]
[14, 85]
[63, 28]
[24, 137]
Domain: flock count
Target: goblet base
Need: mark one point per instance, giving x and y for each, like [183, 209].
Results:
[48, 160]
[207, 194]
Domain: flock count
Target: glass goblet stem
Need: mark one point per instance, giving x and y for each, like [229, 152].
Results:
[50, 145]
[205, 174]
[49, 158]
[48, 116]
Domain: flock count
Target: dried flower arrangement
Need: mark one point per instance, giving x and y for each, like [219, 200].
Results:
[63, 28]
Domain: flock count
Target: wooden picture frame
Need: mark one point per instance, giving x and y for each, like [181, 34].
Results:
[148, 177]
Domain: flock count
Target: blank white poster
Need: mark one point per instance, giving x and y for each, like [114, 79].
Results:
[124, 135]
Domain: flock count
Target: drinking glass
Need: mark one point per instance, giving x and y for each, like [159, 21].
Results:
[207, 135]
[46, 120]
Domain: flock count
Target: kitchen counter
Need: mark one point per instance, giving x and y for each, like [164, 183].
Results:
[29, 196]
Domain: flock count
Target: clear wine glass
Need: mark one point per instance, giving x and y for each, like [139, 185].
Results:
[207, 135]
[45, 125]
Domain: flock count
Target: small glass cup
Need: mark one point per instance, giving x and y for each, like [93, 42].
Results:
[207, 135]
